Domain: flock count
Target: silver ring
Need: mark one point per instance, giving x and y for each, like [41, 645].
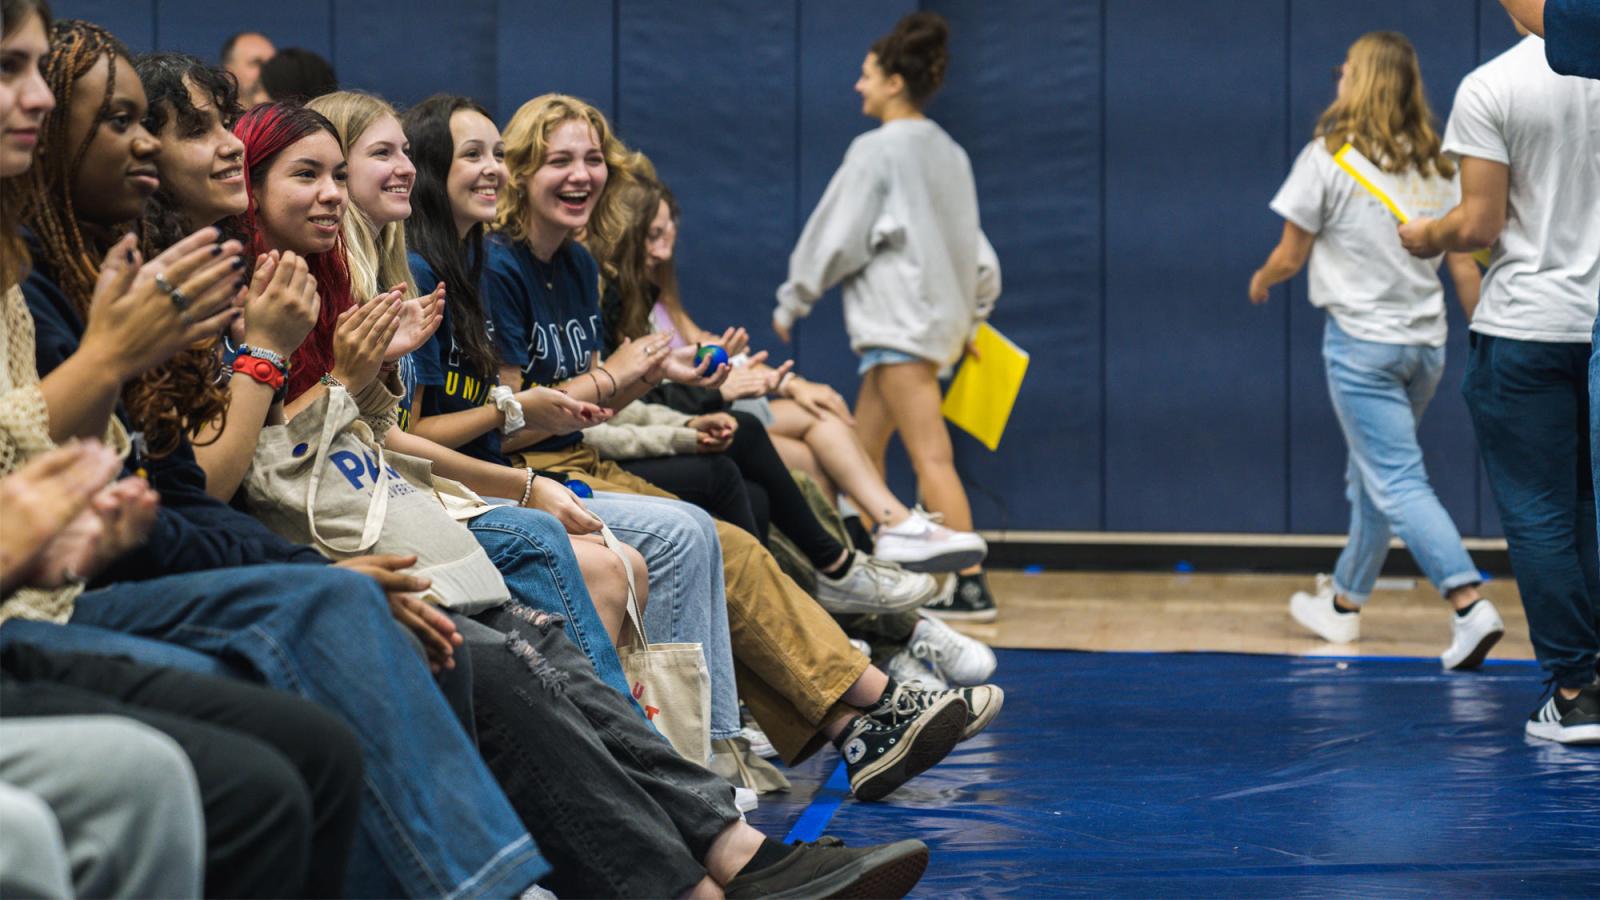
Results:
[179, 300]
[165, 285]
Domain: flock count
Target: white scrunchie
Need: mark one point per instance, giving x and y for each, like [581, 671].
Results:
[505, 400]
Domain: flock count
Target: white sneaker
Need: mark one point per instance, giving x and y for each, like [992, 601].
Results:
[872, 585]
[1316, 613]
[862, 647]
[1473, 636]
[921, 544]
[956, 658]
[745, 799]
[907, 668]
[760, 744]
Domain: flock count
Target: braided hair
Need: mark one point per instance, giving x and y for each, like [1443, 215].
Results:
[173, 400]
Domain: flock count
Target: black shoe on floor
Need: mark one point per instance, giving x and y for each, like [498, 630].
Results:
[880, 756]
[983, 704]
[965, 598]
[827, 868]
[1575, 721]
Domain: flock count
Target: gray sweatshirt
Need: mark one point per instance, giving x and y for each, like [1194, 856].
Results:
[898, 225]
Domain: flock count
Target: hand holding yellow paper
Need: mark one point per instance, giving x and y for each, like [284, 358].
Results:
[980, 399]
[1385, 188]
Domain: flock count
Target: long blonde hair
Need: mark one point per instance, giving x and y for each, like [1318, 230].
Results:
[527, 138]
[1385, 111]
[377, 255]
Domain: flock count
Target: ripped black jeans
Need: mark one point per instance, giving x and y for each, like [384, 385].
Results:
[613, 807]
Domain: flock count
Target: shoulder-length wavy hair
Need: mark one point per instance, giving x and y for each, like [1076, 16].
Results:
[1385, 112]
[267, 130]
[624, 260]
[431, 230]
[377, 256]
[166, 78]
[527, 138]
[170, 401]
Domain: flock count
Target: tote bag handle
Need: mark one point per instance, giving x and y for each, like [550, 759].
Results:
[377, 508]
[634, 618]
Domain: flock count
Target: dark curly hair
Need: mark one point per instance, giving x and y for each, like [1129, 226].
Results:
[166, 78]
[916, 50]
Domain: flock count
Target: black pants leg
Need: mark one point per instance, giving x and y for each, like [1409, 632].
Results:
[613, 807]
[711, 482]
[758, 461]
[280, 778]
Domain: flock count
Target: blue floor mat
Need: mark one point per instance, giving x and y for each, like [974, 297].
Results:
[1214, 774]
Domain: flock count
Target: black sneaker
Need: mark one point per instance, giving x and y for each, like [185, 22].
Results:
[827, 868]
[965, 598]
[983, 704]
[1575, 721]
[880, 756]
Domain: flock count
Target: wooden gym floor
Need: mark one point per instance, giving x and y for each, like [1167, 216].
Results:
[1236, 613]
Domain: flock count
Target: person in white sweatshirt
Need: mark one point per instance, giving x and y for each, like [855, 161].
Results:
[898, 226]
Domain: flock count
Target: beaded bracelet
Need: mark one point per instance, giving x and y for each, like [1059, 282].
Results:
[527, 491]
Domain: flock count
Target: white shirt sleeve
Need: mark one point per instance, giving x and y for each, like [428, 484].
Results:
[1476, 126]
[1302, 198]
[988, 277]
[837, 240]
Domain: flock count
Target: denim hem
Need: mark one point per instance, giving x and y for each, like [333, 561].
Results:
[1351, 598]
[519, 856]
[1575, 676]
[1460, 580]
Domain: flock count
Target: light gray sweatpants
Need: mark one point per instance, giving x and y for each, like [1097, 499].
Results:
[124, 798]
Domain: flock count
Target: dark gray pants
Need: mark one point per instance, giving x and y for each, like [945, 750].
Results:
[613, 807]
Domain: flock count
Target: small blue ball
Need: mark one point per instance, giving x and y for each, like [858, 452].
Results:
[580, 488]
[719, 357]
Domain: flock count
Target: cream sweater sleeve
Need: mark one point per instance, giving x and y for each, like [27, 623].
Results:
[641, 430]
[837, 240]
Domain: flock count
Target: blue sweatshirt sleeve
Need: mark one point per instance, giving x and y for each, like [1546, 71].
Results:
[506, 296]
[1572, 36]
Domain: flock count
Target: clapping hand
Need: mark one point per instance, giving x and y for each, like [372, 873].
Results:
[360, 338]
[419, 319]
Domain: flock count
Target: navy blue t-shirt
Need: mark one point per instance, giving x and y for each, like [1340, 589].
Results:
[438, 366]
[546, 315]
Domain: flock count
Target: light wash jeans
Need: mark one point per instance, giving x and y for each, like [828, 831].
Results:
[1379, 392]
[326, 634]
[687, 602]
[534, 555]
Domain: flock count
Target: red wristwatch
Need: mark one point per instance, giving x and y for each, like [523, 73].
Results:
[259, 369]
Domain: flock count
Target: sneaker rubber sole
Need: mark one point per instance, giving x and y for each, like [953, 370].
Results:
[929, 740]
[843, 604]
[891, 877]
[1479, 653]
[977, 725]
[1552, 731]
[962, 615]
[948, 561]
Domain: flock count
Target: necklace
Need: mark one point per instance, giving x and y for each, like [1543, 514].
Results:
[545, 270]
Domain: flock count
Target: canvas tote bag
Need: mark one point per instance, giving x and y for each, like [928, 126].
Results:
[323, 479]
[670, 681]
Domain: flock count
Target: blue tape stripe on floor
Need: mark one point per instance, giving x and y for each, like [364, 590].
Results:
[816, 817]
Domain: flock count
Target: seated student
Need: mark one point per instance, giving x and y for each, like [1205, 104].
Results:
[314, 630]
[810, 426]
[459, 163]
[798, 672]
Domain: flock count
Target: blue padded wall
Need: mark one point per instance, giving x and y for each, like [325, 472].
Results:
[1125, 151]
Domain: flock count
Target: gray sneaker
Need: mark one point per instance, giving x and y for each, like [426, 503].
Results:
[873, 586]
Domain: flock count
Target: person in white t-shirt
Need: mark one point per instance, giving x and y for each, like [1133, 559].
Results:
[898, 226]
[1383, 344]
[1529, 145]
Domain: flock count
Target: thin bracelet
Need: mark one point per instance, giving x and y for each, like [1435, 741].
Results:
[610, 378]
[527, 490]
[596, 381]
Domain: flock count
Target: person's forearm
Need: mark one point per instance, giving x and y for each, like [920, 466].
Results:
[226, 459]
[487, 478]
[1459, 232]
[457, 428]
[80, 394]
[1281, 265]
[1468, 281]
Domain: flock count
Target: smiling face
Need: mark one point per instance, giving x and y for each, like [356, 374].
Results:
[300, 203]
[660, 239]
[202, 162]
[381, 173]
[477, 169]
[563, 191]
[118, 172]
[877, 89]
[24, 97]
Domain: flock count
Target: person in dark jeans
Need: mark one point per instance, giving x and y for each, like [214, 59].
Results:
[279, 777]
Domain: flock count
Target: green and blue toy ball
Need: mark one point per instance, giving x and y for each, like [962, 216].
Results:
[719, 357]
[580, 488]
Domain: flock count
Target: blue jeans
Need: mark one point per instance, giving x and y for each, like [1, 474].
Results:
[687, 602]
[534, 555]
[1379, 392]
[326, 634]
[1530, 410]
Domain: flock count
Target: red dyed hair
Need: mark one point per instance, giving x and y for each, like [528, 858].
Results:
[268, 130]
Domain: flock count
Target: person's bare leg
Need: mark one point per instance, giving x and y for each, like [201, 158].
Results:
[607, 583]
[874, 426]
[864, 693]
[796, 455]
[1463, 596]
[838, 450]
[731, 851]
[707, 889]
[910, 391]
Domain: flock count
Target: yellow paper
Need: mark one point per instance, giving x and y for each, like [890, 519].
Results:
[985, 389]
[1382, 185]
